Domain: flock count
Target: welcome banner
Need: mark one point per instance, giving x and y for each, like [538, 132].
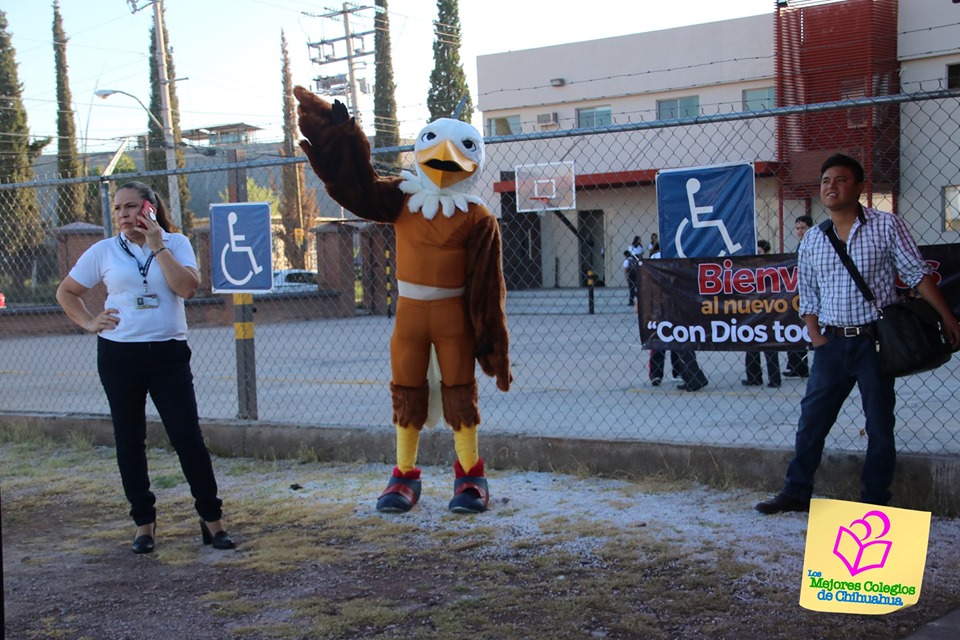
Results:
[744, 303]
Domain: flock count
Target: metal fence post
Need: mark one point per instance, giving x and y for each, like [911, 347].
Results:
[386, 254]
[243, 310]
[246, 356]
[106, 211]
[590, 280]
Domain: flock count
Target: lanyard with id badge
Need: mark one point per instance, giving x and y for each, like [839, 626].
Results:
[146, 300]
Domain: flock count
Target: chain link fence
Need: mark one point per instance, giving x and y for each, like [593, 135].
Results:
[322, 338]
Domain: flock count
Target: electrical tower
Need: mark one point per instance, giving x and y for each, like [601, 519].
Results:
[327, 53]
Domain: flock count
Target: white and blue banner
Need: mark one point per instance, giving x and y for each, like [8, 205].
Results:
[241, 247]
[707, 212]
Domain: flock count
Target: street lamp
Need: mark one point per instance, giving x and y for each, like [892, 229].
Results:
[106, 93]
[170, 158]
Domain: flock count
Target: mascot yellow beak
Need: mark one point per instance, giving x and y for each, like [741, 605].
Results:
[445, 165]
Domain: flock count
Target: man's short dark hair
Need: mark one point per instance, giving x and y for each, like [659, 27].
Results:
[763, 245]
[841, 160]
[807, 220]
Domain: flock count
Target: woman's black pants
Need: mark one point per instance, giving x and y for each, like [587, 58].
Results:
[130, 370]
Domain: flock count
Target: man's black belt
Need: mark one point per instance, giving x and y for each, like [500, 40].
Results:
[869, 330]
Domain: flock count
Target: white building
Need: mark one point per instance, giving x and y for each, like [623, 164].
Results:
[721, 68]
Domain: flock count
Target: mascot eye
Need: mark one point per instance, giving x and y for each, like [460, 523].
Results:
[469, 144]
[430, 135]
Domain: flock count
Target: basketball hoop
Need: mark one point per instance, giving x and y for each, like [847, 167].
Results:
[545, 187]
[539, 204]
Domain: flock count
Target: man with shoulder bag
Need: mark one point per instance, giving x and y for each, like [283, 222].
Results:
[843, 329]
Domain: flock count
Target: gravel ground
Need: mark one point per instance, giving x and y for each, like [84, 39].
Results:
[556, 556]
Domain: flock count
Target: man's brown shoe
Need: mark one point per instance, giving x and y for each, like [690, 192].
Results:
[782, 502]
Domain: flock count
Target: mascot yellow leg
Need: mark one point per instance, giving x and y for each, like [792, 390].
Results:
[408, 441]
[409, 415]
[470, 491]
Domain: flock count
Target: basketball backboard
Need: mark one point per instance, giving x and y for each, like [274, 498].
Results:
[546, 187]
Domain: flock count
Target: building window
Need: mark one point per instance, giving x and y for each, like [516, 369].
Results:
[953, 76]
[686, 107]
[760, 99]
[503, 126]
[594, 117]
[951, 208]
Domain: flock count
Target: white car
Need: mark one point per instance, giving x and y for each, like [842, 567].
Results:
[295, 281]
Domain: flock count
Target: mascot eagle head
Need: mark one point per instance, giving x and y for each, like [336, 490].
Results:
[449, 157]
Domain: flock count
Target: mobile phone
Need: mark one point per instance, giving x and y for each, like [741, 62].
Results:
[146, 210]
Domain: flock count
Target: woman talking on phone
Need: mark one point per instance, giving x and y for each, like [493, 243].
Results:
[142, 347]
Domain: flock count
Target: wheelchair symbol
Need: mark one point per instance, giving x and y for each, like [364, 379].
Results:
[234, 247]
[693, 185]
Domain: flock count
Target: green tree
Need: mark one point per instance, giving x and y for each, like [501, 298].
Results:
[21, 231]
[257, 193]
[293, 217]
[385, 122]
[155, 158]
[448, 82]
[70, 197]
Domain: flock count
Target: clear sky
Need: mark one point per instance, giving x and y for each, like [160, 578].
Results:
[227, 52]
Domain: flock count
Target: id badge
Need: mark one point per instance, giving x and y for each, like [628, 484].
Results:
[148, 301]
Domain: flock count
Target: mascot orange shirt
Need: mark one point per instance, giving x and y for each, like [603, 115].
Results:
[450, 287]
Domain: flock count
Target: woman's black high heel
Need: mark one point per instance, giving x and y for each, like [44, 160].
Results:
[220, 540]
[145, 543]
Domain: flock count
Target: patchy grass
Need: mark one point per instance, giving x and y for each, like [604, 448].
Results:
[573, 558]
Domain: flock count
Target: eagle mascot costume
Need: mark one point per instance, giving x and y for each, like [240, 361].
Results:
[451, 295]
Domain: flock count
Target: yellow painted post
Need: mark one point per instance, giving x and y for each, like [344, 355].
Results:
[246, 356]
[590, 280]
[389, 292]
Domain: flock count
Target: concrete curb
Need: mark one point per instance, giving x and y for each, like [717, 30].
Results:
[927, 483]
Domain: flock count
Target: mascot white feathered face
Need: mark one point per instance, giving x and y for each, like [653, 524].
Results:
[449, 156]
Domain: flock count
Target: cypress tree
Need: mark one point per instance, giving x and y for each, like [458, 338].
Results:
[448, 82]
[21, 231]
[384, 99]
[70, 198]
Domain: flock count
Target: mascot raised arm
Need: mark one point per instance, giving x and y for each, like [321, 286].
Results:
[451, 294]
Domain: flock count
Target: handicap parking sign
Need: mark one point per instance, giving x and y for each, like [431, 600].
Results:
[241, 247]
[707, 212]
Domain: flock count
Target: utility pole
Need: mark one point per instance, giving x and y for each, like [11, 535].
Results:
[352, 53]
[169, 150]
[173, 185]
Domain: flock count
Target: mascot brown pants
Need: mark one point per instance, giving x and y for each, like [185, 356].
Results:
[442, 323]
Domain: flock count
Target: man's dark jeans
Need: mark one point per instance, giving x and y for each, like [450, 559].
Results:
[837, 366]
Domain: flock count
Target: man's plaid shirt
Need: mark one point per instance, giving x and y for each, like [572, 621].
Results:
[882, 247]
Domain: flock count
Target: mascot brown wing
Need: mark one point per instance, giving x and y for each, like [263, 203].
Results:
[486, 296]
[340, 155]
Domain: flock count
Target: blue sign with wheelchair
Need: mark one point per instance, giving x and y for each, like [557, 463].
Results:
[241, 247]
[707, 212]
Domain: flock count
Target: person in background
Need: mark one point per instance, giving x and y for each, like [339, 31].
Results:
[631, 270]
[142, 348]
[797, 360]
[683, 364]
[842, 326]
[636, 247]
[752, 358]
[654, 244]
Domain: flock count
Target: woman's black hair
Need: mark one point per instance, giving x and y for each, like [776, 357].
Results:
[147, 193]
